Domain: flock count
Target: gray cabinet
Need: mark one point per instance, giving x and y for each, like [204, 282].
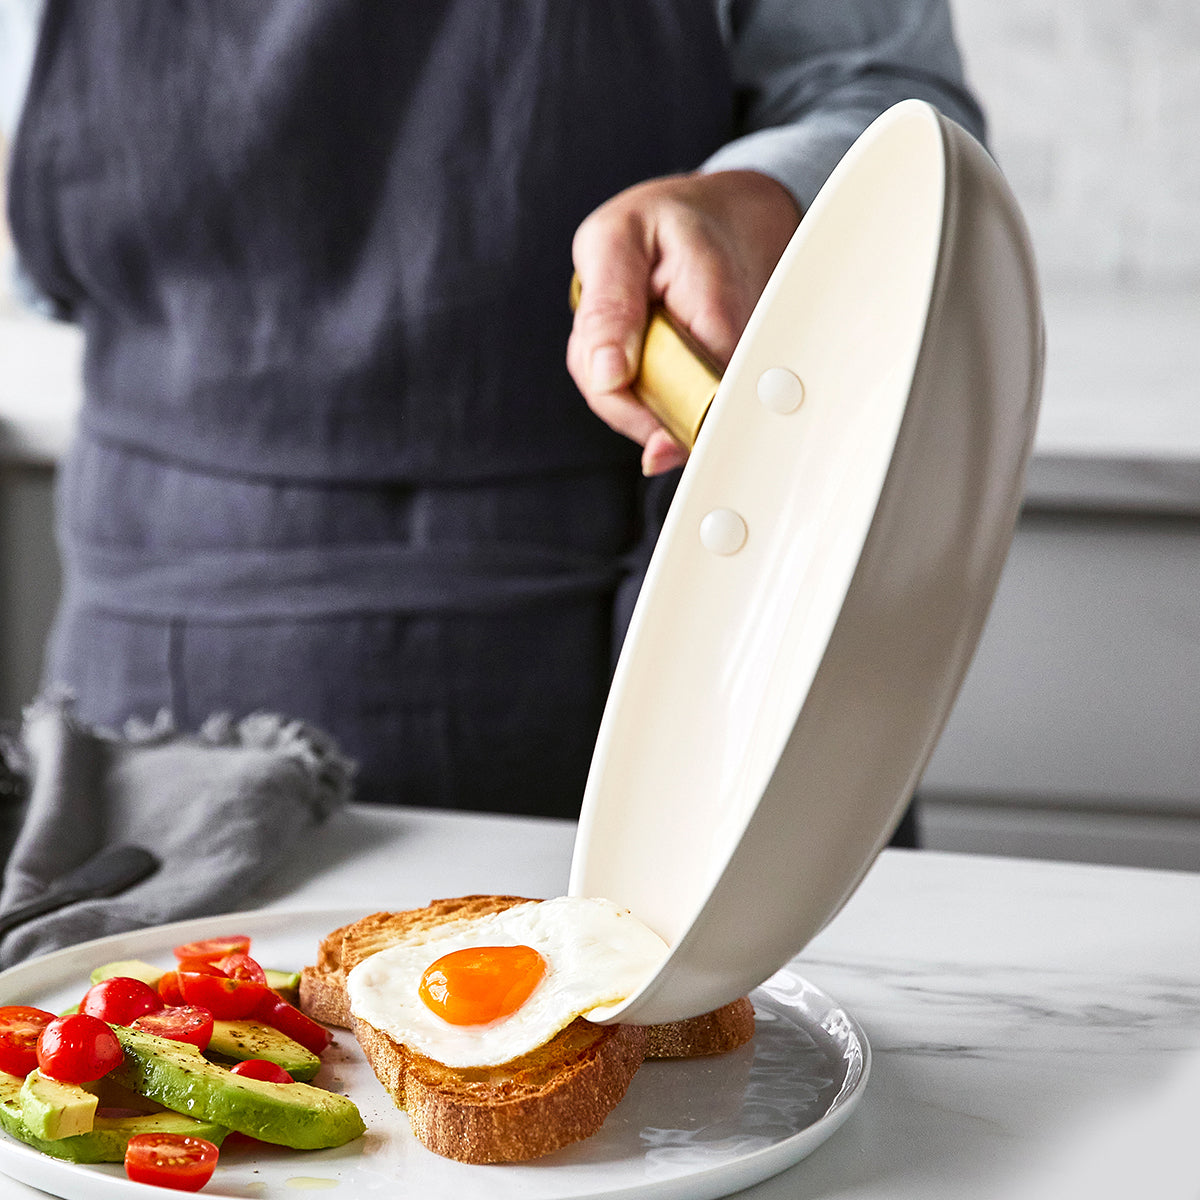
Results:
[1077, 731]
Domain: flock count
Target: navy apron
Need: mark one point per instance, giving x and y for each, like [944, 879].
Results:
[330, 462]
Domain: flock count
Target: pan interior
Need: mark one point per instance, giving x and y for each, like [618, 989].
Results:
[723, 647]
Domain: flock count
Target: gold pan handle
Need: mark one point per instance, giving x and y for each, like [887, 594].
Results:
[676, 380]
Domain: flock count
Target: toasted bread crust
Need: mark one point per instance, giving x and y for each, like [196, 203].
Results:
[534, 1105]
[323, 998]
[717, 1032]
[322, 985]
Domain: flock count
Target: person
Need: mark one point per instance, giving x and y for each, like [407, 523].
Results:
[332, 460]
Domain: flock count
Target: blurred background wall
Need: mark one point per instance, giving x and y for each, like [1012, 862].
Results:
[1095, 108]
[1077, 733]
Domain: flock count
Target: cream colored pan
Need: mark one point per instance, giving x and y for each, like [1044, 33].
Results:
[825, 569]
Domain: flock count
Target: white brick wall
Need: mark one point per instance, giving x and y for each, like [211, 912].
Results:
[1095, 118]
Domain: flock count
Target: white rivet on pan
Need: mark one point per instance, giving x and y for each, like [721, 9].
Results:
[780, 390]
[722, 531]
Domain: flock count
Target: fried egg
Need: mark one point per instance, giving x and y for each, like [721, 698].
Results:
[482, 991]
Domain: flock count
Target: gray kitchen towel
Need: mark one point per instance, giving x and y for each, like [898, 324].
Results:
[220, 809]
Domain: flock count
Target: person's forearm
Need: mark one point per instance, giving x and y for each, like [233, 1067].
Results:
[813, 75]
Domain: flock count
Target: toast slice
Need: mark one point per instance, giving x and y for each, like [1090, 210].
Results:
[555, 1095]
[717, 1032]
[558, 1094]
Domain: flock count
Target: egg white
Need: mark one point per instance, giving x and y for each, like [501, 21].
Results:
[596, 955]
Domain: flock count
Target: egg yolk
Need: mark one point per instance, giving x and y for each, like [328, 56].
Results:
[481, 984]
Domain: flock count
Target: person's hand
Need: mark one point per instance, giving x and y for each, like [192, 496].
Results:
[703, 245]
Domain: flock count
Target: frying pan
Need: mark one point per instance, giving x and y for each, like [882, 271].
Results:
[825, 568]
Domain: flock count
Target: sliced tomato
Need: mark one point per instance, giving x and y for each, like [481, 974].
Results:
[77, 1049]
[241, 966]
[260, 1068]
[180, 1023]
[170, 1160]
[120, 1000]
[20, 1028]
[210, 949]
[275, 1011]
[227, 999]
[201, 966]
[168, 988]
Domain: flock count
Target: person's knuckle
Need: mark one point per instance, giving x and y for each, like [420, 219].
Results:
[606, 311]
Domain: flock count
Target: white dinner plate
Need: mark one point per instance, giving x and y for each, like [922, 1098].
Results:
[697, 1129]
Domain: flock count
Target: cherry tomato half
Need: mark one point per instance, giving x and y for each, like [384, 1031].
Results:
[211, 949]
[171, 1160]
[227, 999]
[260, 1068]
[20, 1027]
[202, 966]
[240, 966]
[275, 1011]
[168, 988]
[180, 1023]
[120, 1000]
[77, 1049]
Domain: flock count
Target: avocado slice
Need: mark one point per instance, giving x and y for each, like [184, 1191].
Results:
[52, 1109]
[131, 968]
[286, 983]
[240, 1040]
[108, 1137]
[290, 1114]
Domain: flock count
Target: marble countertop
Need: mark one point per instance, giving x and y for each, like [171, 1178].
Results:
[1119, 428]
[1035, 1026]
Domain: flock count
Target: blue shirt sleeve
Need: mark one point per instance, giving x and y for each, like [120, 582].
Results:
[811, 75]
